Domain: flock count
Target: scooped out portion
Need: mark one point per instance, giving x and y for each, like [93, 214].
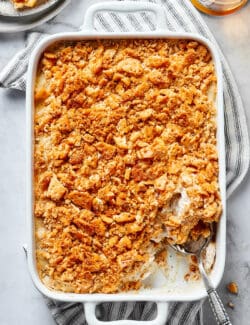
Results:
[125, 159]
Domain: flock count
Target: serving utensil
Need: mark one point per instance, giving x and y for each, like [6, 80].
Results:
[197, 248]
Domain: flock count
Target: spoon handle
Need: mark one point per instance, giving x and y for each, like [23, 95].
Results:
[216, 304]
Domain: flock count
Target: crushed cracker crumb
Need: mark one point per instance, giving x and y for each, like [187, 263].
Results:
[233, 288]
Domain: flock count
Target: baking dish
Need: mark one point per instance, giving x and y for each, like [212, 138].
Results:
[175, 288]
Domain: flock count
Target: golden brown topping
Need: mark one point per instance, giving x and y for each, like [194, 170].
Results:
[123, 217]
[130, 66]
[81, 199]
[56, 190]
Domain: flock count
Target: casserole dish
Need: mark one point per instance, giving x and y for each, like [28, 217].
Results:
[175, 288]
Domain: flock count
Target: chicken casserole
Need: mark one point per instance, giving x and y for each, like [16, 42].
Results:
[125, 159]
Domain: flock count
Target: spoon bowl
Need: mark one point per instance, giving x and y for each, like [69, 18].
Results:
[193, 247]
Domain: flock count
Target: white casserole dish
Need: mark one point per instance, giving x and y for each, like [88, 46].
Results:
[163, 290]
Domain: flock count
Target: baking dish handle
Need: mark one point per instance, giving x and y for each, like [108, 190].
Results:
[127, 7]
[161, 318]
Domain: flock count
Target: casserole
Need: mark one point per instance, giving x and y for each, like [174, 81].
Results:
[175, 288]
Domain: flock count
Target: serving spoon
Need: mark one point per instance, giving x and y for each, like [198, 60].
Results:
[196, 248]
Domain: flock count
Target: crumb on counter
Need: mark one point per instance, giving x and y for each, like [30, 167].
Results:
[233, 288]
[230, 304]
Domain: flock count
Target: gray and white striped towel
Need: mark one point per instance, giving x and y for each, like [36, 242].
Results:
[181, 16]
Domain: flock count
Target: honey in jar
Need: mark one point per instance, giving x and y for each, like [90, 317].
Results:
[218, 7]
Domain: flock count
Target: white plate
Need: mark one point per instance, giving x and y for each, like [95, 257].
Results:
[7, 8]
[11, 24]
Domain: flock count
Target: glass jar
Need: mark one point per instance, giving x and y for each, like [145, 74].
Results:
[218, 7]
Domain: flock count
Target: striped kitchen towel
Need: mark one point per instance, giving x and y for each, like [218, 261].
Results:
[180, 16]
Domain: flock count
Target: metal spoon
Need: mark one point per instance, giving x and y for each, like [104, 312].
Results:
[196, 248]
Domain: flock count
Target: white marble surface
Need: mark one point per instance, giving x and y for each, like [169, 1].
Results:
[20, 303]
